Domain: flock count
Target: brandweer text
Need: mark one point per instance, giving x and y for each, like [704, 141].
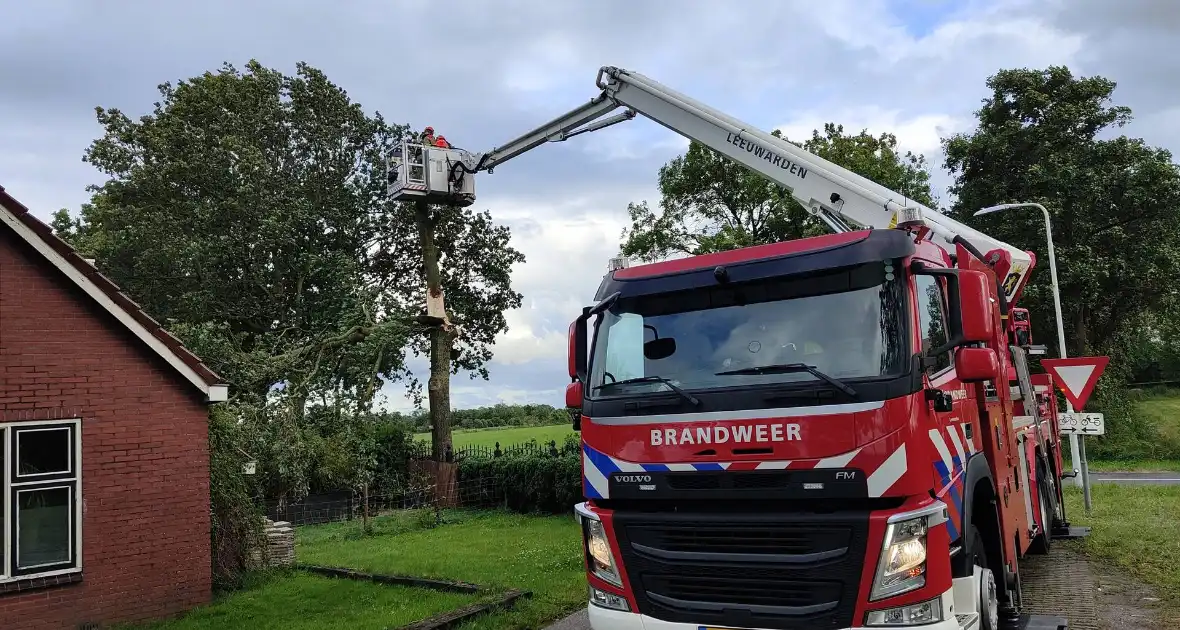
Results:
[766, 154]
[719, 435]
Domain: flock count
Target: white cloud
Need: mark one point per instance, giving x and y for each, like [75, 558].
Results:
[525, 341]
[566, 246]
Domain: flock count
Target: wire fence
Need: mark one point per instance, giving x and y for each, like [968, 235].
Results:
[475, 493]
[430, 484]
[422, 450]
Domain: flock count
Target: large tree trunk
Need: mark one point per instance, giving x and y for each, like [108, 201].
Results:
[438, 387]
[1081, 332]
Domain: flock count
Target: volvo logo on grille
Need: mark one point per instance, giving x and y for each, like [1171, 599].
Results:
[633, 478]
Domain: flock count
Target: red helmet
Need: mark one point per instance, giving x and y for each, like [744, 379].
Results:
[430, 130]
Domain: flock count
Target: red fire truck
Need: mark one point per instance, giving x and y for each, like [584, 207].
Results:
[831, 432]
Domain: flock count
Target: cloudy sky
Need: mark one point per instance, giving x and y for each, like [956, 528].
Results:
[482, 72]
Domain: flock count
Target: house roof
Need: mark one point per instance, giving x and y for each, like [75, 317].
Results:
[107, 294]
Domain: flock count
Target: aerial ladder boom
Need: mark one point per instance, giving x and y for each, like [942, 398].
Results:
[842, 199]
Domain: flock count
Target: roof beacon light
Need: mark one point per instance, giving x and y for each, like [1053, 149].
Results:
[616, 263]
[909, 218]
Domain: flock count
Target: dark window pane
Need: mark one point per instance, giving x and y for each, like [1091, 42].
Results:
[43, 527]
[43, 451]
[931, 319]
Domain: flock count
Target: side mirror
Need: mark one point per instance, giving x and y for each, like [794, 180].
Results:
[973, 365]
[657, 349]
[975, 307]
[572, 353]
[573, 395]
[577, 348]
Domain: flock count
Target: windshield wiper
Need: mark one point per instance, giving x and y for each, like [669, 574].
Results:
[787, 368]
[692, 400]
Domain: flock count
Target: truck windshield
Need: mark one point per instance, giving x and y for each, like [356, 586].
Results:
[846, 324]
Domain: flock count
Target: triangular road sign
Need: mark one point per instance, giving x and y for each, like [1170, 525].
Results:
[1076, 376]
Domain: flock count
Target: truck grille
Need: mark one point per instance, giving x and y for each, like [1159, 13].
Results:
[775, 571]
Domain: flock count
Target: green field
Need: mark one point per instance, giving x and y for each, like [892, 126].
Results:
[301, 601]
[498, 550]
[1164, 411]
[506, 436]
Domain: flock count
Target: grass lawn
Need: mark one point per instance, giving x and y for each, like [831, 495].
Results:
[1165, 412]
[1162, 409]
[1137, 529]
[301, 601]
[494, 549]
[506, 436]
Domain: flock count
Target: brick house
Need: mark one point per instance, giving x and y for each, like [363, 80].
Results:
[104, 463]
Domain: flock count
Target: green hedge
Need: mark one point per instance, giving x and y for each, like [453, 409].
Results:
[530, 483]
[236, 519]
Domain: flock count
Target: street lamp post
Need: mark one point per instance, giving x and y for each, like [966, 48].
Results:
[1077, 463]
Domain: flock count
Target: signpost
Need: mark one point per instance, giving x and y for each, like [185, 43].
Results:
[1076, 377]
[1082, 423]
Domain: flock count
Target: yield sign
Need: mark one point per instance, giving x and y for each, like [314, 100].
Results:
[1076, 377]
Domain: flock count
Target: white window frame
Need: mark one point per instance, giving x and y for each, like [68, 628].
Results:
[11, 485]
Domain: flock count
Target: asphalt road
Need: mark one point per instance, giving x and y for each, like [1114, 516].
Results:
[1166, 478]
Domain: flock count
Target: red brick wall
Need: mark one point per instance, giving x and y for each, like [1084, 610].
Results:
[145, 462]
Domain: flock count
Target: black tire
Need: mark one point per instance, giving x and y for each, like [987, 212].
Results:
[1051, 485]
[1047, 509]
[976, 551]
[989, 616]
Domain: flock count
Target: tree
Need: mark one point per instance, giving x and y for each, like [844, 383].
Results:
[248, 212]
[710, 203]
[470, 258]
[1115, 202]
[240, 211]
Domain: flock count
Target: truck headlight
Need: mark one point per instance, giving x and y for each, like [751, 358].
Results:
[902, 567]
[602, 562]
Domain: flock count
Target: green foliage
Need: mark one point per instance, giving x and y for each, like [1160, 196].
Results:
[1115, 202]
[499, 415]
[247, 211]
[243, 211]
[530, 483]
[710, 203]
[236, 520]
[1150, 346]
[393, 443]
[1133, 431]
[332, 449]
[475, 258]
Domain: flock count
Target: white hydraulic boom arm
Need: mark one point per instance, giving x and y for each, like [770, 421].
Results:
[842, 199]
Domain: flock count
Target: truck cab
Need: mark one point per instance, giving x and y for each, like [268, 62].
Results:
[798, 435]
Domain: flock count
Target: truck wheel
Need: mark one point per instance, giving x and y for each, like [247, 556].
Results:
[989, 593]
[1041, 544]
